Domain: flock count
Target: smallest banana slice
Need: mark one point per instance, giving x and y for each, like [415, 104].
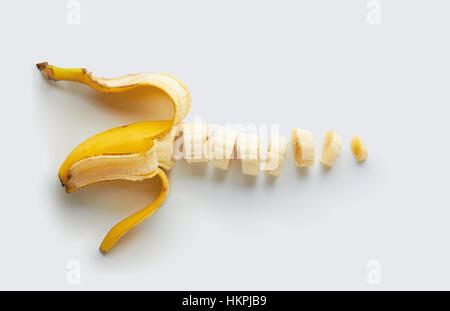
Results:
[359, 148]
[303, 147]
[196, 142]
[331, 147]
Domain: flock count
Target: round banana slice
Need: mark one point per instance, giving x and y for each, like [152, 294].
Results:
[359, 148]
[275, 155]
[222, 148]
[331, 147]
[248, 153]
[196, 142]
[303, 147]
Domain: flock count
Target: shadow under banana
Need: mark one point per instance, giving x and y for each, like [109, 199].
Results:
[133, 152]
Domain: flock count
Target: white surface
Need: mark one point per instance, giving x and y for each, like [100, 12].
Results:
[310, 64]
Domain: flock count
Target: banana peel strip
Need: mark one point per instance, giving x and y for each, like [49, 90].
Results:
[125, 225]
[132, 152]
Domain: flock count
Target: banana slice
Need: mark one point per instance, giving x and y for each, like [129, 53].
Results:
[248, 153]
[222, 149]
[196, 142]
[303, 147]
[359, 148]
[275, 155]
[331, 147]
[164, 151]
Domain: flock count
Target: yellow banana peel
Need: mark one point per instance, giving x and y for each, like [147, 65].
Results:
[133, 152]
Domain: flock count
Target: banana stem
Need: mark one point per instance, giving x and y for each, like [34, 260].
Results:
[125, 225]
[55, 73]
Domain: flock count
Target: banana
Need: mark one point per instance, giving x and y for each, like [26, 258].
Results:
[196, 142]
[222, 148]
[303, 147]
[142, 150]
[131, 152]
[275, 155]
[359, 148]
[331, 147]
[248, 153]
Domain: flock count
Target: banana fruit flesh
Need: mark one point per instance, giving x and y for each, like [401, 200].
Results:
[303, 147]
[331, 147]
[222, 148]
[276, 154]
[131, 152]
[359, 148]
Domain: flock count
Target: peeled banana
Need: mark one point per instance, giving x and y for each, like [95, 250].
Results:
[359, 148]
[331, 147]
[303, 147]
[131, 152]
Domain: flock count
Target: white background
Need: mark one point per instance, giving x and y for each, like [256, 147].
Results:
[310, 64]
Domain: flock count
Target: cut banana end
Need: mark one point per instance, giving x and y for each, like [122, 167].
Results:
[164, 148]
[196, 142]
[303, 147]
[222, 148]
[331, 147]
[248, 153]
[275, 155]
[359, 148]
